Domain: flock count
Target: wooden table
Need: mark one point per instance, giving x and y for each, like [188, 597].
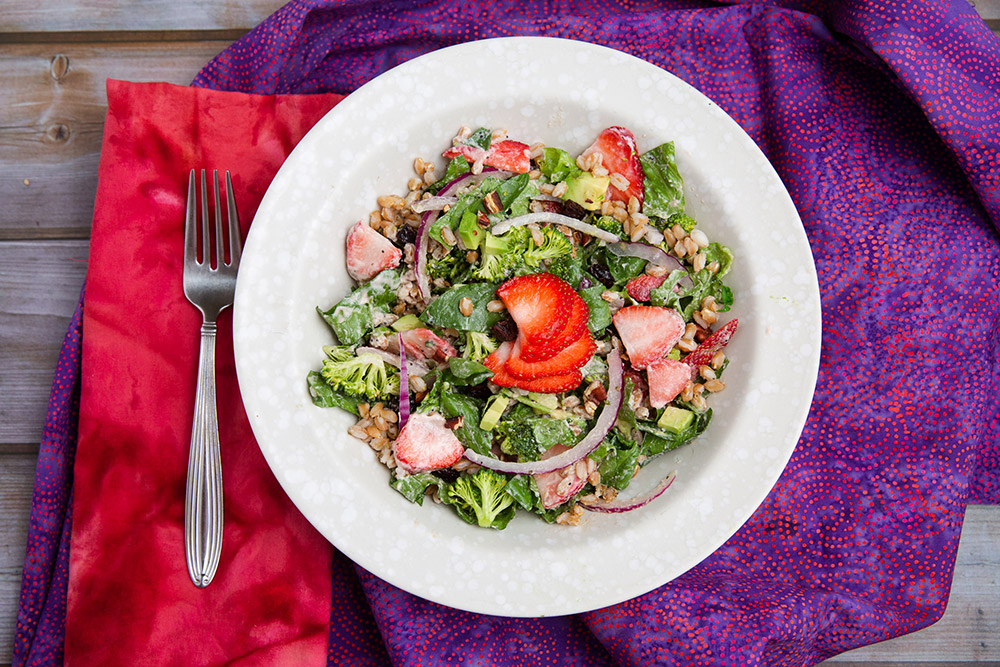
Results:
[55, 59]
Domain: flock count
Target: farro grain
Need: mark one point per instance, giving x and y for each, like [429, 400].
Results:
[621, 183]
[417, 384]
[708, 303]
[699, 237]
[419, 166]
[590, 408]
[698, 263]
[429, 177]
[713, 267]
[715, 385]
[709, 316]
[564, 485]
[678, 232]
[471, 257]
[699, 402]
[699, 320]
[560, 189]
[668, 238]
[536, 149]
[536, 234]
[415, 184]
[680, 249]
[599, 171]
[594, 478]
[390, 416]
[534, 174]
[581, 162]
[448, 236]
[571, 401]
[637, 231]
[656, 269]
[495, 306]
[465, 306]
[363, 410]
[706, 372]
[687, 393]
[718, 359]
[358, 432]
[690, 245]
[580, 469]
[689, 332]
[698, 388]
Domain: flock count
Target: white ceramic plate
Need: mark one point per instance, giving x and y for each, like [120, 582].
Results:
[563, 93]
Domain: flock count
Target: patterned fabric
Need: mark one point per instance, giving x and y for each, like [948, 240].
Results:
[883, 120]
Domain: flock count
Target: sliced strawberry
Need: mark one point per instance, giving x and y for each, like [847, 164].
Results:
[667, 378]
[620, 155]
[425, 443]
[540, 304]
[425, 344]
[702, 355]
[368, 252]
[571, 358]
[575, 328]
[639, 287]
[507, 155]
[552, 490]
[552, 384]
[648, 332]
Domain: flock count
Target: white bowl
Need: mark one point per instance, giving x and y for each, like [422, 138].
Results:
[563, 93]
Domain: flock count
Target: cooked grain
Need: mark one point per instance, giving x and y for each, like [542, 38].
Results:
[699, 238]
[465, 306]
[495, 306]
[698, 263]
[715, 385]
[718, 359]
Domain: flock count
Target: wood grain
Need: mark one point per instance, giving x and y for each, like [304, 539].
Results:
[52, 118]
[114, 15]
[39, 287]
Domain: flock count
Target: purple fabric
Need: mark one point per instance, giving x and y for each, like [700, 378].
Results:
[883, 120]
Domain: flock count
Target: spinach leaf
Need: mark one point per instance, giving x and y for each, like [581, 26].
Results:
[599, 314]
[625, 423]
[470, 201]
[454, 404]
[557, 165]
[510, 190]
[353, 316]
[414, 487]
[324, 396]
[466, 372]
[458, 166]
[444, 311]
[622, 269]
[656, 440]
[549, 432]
[523, 490]
[481, 138]
[618, 466]
[521, 205]
[716, 252]
[688, 299]
[663, 190]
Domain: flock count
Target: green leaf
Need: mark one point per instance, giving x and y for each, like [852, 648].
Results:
[568, 268]
[663, 189]
[656, 440]
[414, 487]
[444, 311]
[523, 490]
[618, 466]
[623, 269]
[481, 138]
[549, 432]
[466, 372]
[557, 165]
[454, 404]
[716, 252]
[599, 313]
[324, 396]
[353, 316]
[625, 423]
[458, 166]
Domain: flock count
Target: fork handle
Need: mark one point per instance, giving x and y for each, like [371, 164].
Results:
[203, 496]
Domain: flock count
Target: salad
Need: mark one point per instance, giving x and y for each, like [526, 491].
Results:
[530, 328]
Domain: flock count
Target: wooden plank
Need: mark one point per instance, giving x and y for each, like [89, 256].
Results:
[52, 110]
[18, 474]
[969, 631]
[39, 287]
[113, 15]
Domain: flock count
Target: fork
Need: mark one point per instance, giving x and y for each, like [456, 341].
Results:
[209, 284]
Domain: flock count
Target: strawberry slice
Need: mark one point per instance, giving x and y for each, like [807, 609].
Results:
[425, 444]
[639, 287]
[702, 355]
[620, 155]
[549, 490]
[648, 332]
[540, 304]
[571, 358]
[425, 344]
[508, 155]
[576, 327]
[368, 252]
[667, 378]
[553, 384]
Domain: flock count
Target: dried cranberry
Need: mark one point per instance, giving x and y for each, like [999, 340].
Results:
[602, 274]
[572, 209]
[505, 330]
[406, 234]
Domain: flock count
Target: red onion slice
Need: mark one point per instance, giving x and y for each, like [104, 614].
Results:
[432, 204]
[468, 178]
[412, 367]
[617, 506]
[557, 219]
[420, 256]
[404, 385]
[650, 253]
[591, 441]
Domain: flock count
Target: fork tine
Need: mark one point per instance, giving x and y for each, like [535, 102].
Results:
[191, 223]
[205, 246]
[235, 243]
[220, 250]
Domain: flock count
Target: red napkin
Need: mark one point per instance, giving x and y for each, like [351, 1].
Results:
[130, 601]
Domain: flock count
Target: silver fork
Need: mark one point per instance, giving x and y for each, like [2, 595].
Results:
[211, 289]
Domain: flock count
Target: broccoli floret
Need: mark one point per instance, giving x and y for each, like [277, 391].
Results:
[517, 438]
[554, 245]
[502, 254]
[481, 499]
[609, 224]
[686, 222]
[478, 345]
[358, 375]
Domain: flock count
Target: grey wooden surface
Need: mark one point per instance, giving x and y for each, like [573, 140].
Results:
[55, 59]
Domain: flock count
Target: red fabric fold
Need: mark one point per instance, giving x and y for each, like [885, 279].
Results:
[130, 601]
